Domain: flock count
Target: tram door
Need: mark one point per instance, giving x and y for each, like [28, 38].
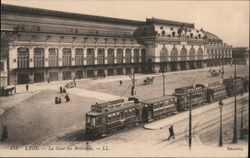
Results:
[147, 113]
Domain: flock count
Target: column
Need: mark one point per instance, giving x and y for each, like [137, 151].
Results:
[168, 67]
[187, 65]
[105, 56]
[132, 55]
[115, 55]
[139, 55]
[95, 56]
[73, 73]
[124, 70]
[95, 72]
[60, 56]
[12, 57]
[46, 57]
[204, 64]
[106, 72]
[31, 57]
[73, 56]
[195, 65]
[60, 74]
[178, 66]
[132, 70]
[84, 56]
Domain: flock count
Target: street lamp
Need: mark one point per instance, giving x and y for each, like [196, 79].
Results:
[241, 123]
[220, 139]
[163, 78]
[235, 108]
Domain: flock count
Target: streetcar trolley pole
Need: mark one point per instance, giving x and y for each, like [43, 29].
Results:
[235, 108]
[190, 122]
[163, 78]
[220, 138]
[241, 123]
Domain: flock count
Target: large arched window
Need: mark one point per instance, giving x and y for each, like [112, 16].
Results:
[23, 57]
[200, 54]
[192, 54]
[136, 55]
[38, 57]
[110, 56]
[174, 54]
[183, 54]
[212, 54]
[164, 55]
[100, 56]
[208, 54]
[78, 56]
[119, 56]
[143, 55]
[66, 57]
[128, 56]
[90, 56]
[53, 57]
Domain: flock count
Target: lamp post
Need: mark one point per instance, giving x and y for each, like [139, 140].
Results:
[235, 113]
[190, 122]
[220, 138]
[163, 80]
[241, 123]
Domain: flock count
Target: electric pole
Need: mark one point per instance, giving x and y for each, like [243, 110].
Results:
[163, 79]
[235, 110]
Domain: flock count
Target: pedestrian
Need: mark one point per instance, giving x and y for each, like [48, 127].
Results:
[74, 81]
[64, 90]
[120, 82]
[61, 89]
[171, 132]
[67, 98]
[27, 87]
[88, 146]
[5, 134]
[48, 80]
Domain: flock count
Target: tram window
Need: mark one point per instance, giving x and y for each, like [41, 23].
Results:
[98, 120]
[122, 115]
[92, 121]
[87, 120]
[109, 119]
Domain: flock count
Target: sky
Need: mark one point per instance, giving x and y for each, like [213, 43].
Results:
[229, 20]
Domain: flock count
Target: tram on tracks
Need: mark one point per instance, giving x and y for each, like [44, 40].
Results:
[111, 117]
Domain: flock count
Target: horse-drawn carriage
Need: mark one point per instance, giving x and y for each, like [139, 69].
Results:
[70, 85]
[148, 80]
[213, 73]
[8, 90]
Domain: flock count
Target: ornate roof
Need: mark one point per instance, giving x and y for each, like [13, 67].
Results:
[212, 37]
[61, 14]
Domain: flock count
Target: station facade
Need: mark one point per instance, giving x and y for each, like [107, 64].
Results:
[44, 45]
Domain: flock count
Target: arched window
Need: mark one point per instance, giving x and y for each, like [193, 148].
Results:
[100, 56]
[200, 54]
[53, 57]
[215, 53]
[78, 56]
[183, 54]
[128, 56]
[110, 56]
[174, 54]
[143, 55]
[208, 54]
[164, 55]
[192, 54]
[38, 57]
[212, 54]
[90, 56]
[23, 57]
[66, 57]
[119, 56]
[136, 55]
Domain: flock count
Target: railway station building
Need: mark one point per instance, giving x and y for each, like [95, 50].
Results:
[41, 45]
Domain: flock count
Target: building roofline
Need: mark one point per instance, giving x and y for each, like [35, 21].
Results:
[168, 22]
[62, 14]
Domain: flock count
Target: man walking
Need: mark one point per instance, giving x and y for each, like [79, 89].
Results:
[171, 132]
[27, 87]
